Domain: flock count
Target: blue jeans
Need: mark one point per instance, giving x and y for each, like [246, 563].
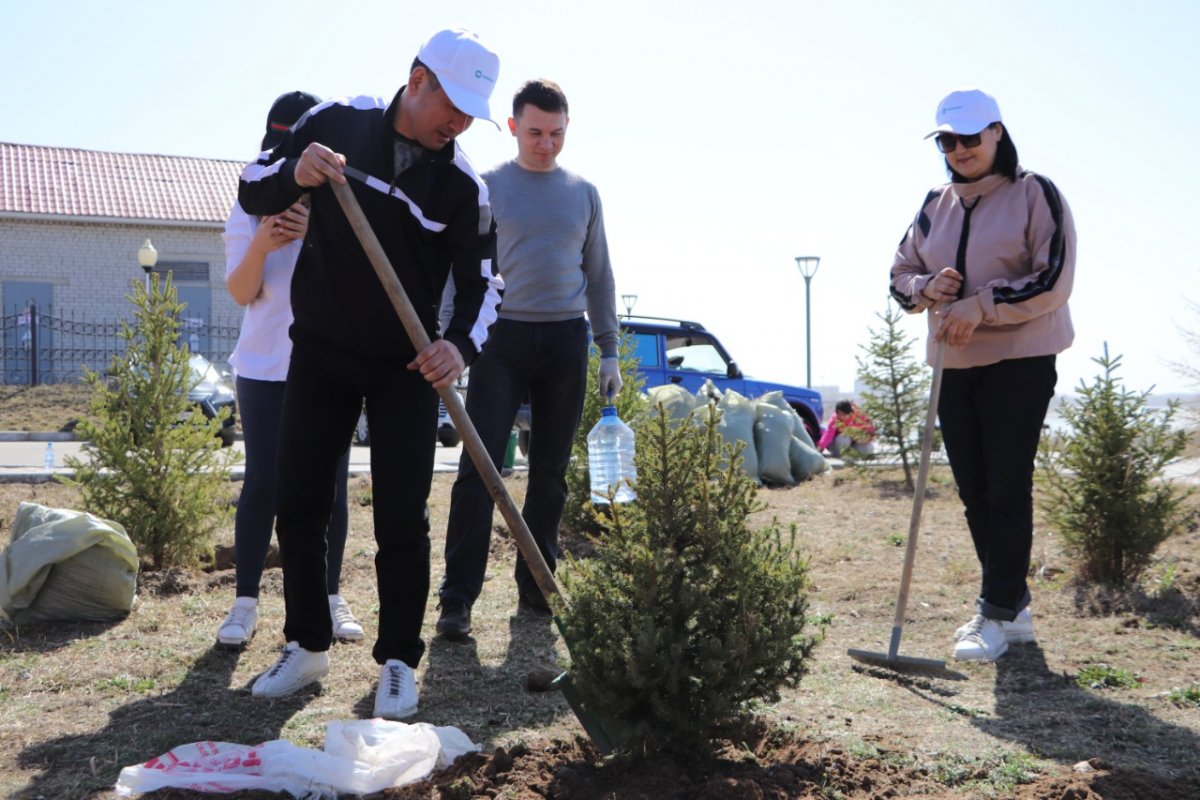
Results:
[324, 395]
[546, 361]
[261, 404]
[991, 420]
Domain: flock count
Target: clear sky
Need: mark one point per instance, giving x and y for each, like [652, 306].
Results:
[725, 138]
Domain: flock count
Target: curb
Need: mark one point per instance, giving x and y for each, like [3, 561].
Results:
[37, 436]
[56, 436]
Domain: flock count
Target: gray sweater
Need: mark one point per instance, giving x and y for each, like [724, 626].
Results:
[551, 250]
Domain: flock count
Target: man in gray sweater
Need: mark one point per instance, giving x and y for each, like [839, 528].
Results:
[553, 256]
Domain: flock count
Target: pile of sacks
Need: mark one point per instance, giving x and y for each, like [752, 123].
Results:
[778, 450]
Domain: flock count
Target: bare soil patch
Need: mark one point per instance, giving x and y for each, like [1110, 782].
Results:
[78, 702]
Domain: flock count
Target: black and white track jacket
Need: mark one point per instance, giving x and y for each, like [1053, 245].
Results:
[432, 218]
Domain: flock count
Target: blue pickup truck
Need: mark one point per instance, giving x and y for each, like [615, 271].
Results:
[685, 353]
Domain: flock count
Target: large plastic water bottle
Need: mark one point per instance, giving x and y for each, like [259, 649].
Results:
[610, 458]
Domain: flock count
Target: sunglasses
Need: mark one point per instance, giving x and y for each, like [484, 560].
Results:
[946, 142]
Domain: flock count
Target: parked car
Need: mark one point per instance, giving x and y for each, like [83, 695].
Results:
[212, 391]
[447, 434]
[685, 353]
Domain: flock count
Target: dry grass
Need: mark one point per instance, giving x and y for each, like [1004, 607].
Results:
[79, 702]
[42, 408]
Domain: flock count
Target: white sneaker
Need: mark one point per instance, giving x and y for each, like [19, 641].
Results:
[396, 697]
[345, 626]
[240, 622]
[984, 640]
[1019, 631]
[295, 669]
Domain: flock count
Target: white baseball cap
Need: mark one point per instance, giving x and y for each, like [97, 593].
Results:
[965, 112]
[465, 67]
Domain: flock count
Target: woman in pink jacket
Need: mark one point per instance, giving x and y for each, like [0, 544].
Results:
[991, 257]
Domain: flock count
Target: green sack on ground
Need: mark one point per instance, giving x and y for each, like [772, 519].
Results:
[799, 430]
[66, 566]
[708, 392]
[676, 400]
[805, 460]
[737, 425]
[772, 435]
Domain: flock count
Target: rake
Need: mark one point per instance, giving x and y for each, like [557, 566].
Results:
[892, 658]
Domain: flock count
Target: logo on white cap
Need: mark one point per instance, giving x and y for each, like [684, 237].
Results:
[465, 67]
[966, 112]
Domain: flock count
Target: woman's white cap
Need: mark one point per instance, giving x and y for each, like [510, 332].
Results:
[965, 112]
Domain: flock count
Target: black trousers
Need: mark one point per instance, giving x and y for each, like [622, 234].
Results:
[324, 394]
[547, 361]
[260, 404]
[991, 419]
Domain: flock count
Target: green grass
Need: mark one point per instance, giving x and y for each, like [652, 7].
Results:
[994, 775]
[1103, 676]
[1185, 696]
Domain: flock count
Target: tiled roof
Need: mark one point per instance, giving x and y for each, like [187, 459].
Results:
[88, 183]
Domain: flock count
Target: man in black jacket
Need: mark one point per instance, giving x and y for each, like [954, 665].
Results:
[430, 212]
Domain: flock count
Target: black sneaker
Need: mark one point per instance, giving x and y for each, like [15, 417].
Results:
[533, 603]
[454, 623]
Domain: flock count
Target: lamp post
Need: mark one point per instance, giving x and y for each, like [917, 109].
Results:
[808, 267]
[147, 257]
[629, 300]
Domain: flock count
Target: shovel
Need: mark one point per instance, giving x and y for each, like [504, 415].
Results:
[595, 727]
[892, 658]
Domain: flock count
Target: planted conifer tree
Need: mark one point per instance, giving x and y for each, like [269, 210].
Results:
[1103, 478]
[897, 389]
[685, 613]
[154, 463]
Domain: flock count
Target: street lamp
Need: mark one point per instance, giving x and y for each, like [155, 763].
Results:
[808, 267]
[629, 300]
[147, 257]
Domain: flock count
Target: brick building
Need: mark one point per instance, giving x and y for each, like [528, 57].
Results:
[71, 223]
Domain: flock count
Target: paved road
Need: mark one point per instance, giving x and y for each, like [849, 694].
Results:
[22, 461]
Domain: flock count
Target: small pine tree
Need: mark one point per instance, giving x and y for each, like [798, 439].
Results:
[1103, 478]
[897, 389]
[684, 613]
[153, 463]
[578, 515]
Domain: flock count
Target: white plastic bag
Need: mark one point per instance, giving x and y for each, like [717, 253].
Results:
[360, 757]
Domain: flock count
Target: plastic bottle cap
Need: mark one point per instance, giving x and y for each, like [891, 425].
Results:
[608, 411]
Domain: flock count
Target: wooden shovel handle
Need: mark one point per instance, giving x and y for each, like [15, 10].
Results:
[454, 404]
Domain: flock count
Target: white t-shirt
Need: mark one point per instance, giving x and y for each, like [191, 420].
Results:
[263, 348]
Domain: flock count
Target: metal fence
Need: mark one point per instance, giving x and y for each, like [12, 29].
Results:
[42, 348]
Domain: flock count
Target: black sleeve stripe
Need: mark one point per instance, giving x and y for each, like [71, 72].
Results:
[923, 221]
[903, 300]
[1058, 251]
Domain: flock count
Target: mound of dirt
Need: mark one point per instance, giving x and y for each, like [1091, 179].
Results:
[776, 766]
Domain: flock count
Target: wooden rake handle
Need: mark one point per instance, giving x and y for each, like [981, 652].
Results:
[454, 404]
[914, 524]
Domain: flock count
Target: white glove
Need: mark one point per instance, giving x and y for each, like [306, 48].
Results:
[610, 377]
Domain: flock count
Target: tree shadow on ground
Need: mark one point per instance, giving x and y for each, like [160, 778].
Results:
[202, 707]
[1168, 608]
[1051, 716]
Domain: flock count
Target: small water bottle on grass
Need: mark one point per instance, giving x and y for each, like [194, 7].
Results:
[610, 458]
